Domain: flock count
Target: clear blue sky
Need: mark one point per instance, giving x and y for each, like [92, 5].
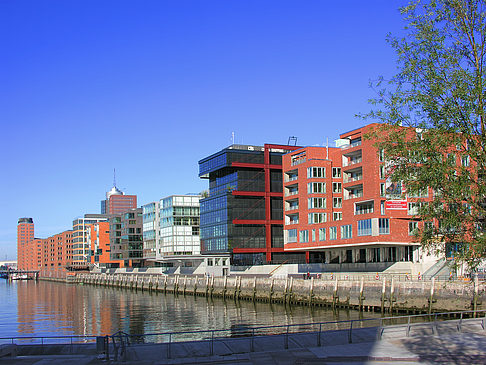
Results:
[151, 87]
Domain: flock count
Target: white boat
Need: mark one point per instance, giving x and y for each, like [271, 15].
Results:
[20, 277]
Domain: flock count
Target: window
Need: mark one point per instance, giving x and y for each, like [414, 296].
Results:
[313, 235]
[364, 227]
[337, 202]
[346, 231]
[382, 207]
[382, 172]
[336, 172]
[316, 172]
[364, 208]
[384, 225]
[333, 233]
[304, 236]
[322, 234]
[412, 228]
[337, 216]
[381, 155]
[382, 190]
[422, 193]
[465, 161]
[292, 235]
[314, 218]
[316, 188]
[336, 187]
[316, 203]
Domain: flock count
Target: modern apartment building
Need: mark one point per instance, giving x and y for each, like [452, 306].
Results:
[336, 204]
[126, 238]
[99, 240]
[25, 235]
[81, 248]
[151, 230]
[179, 226]
[171, 227]
[243, 214]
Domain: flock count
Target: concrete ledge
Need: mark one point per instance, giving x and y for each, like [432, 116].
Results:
[8, 350]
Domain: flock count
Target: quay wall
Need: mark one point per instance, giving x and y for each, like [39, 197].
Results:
[385, 295]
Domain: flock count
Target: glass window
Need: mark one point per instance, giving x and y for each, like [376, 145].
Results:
[337, 216]
[336, 172]
[314, 218]
[292, 235]
[316, 172]
[364, 227]
[336, 187]
[313, 235]
[322, 234]
[412, 228]
[333, 233]
[304, 236]
[316, 203]
[316, 188]
[382, 207]
[337, 202]
[346, 231]
[384, 225]
[465, 161]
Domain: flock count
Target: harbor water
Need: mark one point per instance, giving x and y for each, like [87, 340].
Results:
[43, 308]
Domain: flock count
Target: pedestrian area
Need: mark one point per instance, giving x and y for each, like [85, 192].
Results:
[441, 342]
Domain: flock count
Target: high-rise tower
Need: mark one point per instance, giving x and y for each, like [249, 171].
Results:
[25, 235]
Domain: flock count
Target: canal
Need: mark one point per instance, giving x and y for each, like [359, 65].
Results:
[43, 308]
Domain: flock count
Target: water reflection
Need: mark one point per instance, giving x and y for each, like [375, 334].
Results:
[47, 308]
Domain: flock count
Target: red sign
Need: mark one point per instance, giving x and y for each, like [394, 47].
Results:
[396, 205]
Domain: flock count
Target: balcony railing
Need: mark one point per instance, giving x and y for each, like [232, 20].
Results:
[354, 196]
[291, 178]
[354, 178]
[295, 207]
[289, 193]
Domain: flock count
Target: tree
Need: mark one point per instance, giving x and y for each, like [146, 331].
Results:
[432, 123]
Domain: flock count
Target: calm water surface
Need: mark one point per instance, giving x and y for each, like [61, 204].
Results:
[30, 308]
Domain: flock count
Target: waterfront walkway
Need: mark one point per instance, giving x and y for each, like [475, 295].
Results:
[444, 342]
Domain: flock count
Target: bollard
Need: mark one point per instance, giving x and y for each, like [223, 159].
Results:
[361, 296]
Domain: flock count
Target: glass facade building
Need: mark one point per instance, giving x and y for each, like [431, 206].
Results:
[243, 212]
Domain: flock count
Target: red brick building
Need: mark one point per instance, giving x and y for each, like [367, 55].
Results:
[335, 206]
[25, 235]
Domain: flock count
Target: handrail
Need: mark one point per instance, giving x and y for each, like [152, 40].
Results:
[122, 336]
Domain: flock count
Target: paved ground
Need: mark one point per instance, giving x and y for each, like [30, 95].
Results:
[446, 343]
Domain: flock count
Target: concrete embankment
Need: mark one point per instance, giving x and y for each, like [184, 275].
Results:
[385, 295]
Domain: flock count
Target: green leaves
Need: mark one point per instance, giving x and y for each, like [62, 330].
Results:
[432, 121]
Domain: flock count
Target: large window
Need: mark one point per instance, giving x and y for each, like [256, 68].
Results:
[337, 202]
[336, 172]
[412, 228]
[292, 235]
[336, 187]
[316, 188]
[304, 236]
[346, 231]
[316, 203]
[333, 233]
[314, 218]
[384, 225]
[322, 234]
[316, 172]
[337, 216]
[364, 227]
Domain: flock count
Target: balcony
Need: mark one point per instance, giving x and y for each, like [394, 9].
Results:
[354, 143]
[354, 196]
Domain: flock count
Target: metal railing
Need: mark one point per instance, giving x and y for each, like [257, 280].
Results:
[120, 341]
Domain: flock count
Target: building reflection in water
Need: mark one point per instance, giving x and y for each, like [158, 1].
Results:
[48, 308]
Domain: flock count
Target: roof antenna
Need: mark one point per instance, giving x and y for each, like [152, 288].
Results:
[232, 137]
[292, 139]
[114, 177]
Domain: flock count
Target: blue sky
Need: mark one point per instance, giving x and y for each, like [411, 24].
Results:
[151, 87]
